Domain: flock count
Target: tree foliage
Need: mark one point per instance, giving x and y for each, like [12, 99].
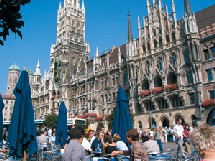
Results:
[10, 18]
[111, 118]
[51, 120]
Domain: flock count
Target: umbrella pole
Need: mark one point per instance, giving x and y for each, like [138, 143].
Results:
[24, 157]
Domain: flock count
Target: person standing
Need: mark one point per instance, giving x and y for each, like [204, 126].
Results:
[74, 151]
[158, 135]
[178, 133]
[186, 135]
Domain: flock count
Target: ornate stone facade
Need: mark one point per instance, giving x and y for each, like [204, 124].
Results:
[162, 71]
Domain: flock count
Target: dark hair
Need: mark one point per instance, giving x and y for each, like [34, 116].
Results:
[179, 118]
[108, 138]
[145, 138]
[86, 134]
[76, 133]
[133, 134]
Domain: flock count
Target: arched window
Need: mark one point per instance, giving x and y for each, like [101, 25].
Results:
[140, 125]
[160, 63]
[148, 66]
[173, 60]
[186, 57]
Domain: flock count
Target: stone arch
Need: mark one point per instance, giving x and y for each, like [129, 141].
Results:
[164, 121]
[178, 115]
[171, 78]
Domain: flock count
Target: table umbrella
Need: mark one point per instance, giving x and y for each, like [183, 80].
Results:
[1, 118]
[122, 119]
[61, 132]
[22, 129]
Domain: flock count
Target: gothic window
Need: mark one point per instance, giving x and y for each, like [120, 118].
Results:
[207, 54]
[189, 78]
[210, 74]
[173, 59]
[167, 39]
[161, 103]
[173, 37]
[155, 44]
[73, 22]
[160, 63]
[175, 101]
[125, 78]
[145, 85]
[212, 94]
[148, 66]
[149, 106]
[192, 98]
[186, 58]
[114, 96]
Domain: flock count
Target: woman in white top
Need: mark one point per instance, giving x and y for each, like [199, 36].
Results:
[86, 143]
[52, 138]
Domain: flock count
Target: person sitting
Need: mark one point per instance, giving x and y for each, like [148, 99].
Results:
[150, 145]
[97, 144]
[137, 151]
[203, 141]
[52, 138]
[74, 151]
[120, 145]
[43, 138]
[109, 145]
[85, 143]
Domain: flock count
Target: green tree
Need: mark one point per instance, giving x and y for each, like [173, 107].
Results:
[51, 120]
[10, 18]
[111, 118]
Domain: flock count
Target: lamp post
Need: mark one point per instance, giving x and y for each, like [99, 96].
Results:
[150, 119]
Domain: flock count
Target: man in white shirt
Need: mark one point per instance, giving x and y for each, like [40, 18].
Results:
[178, 133]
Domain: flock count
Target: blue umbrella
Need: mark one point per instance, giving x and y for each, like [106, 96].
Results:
[122, 119]
[22, 129]
[61, 132]
[1, 118]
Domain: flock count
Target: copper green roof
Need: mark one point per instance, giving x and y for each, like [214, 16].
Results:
[14, 67]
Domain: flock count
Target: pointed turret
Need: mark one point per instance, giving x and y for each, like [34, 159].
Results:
[83, 6]
[60, 5]
[130, 37]
[174, 11]
[187, 8]
[148, 7]
[139, 28]
[97, 52]
[38, 68]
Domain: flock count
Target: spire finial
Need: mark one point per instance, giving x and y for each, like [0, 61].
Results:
[130, 37]
[187, 8]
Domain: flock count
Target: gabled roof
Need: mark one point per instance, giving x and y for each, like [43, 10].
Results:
[205, 17]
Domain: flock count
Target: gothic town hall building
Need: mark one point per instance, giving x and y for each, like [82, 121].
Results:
[167, 71]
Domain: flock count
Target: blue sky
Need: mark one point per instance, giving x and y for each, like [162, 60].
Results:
[106, 26]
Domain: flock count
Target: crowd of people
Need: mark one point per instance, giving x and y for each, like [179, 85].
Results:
[139, 145]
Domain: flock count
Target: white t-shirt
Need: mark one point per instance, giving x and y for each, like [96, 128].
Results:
[86, 144]
[178, 129]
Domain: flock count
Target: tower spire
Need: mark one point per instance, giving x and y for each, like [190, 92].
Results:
[130, 37]
[38, 68]
[187, 8]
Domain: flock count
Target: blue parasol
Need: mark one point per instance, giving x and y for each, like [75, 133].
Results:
[22, 129]
[61, 132]
[122, 119]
